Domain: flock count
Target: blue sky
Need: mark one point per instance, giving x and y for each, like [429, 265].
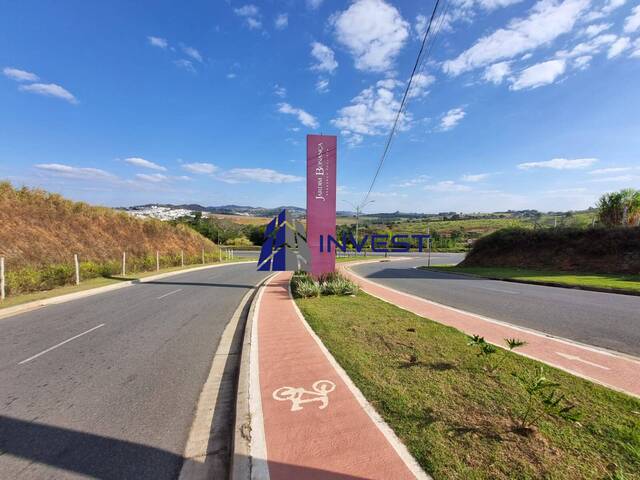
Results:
[521, 104]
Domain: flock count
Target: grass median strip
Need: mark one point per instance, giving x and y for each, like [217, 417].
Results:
[459, 420]
[600, 281]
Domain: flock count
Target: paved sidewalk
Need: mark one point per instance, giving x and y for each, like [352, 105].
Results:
[618, 371]
[308, 420]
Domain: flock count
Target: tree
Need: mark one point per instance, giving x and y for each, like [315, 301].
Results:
[619, 208]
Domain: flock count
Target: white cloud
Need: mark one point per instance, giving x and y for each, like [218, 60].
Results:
[231, 75]
[247, 11]
[185, 64]
[582, 62]
[617, 179]
[152, 177]
[373, 31]
[262, 175]
[201, 168]
[324, 56]
[477, 177]
[605, 171]
[547, 20]
[494, 4]
[590, 47]
[636, 49]
[314, 4]
[304, 118]
[497, 72]
[49, 90]
[251, 14]
[372, 112]
[560, 164]
[158, 42]
[452, 118]
[632, 22]
[412, 182]
[619, 46]
[80, 173]
[539, 74]
[322, 85]
[20, 75]
[420, 26]
[612, 5]
[141, 162]
[282, 21]
[447, 186]
[420, 84]
[192, 52]
[279, 90]
[596, 29]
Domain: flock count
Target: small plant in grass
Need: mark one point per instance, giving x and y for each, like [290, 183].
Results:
[488, 352]
[543, 399]
[304, 285]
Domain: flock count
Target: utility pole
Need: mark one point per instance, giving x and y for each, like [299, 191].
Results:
[429, 246]
[359, 209]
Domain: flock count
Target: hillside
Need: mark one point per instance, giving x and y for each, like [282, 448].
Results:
[43, 229]
[594, 250]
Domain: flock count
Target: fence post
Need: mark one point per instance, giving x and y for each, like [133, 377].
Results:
[203, 256]
[124, 264]
[75, 261]
[220, 253]
[157, 261]
[182, 258]
[2, 295]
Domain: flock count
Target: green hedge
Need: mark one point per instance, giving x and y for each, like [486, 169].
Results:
[605, 250]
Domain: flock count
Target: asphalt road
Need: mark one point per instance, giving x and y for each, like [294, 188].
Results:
[605, 320]
[118, 401]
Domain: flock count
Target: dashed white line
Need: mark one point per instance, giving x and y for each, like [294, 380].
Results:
[170, 293]
[578, 359]
[60, 344]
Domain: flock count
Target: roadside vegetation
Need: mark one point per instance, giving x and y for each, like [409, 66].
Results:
[42, 231]
[468, 410]
[304, 285]
[597, 281]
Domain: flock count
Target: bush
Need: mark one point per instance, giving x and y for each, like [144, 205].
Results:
[304, 285]
[611, 250]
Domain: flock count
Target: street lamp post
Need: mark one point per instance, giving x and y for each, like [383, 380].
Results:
[359, 209]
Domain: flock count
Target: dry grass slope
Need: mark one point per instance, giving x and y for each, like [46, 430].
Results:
[40, 232]
[41, 228]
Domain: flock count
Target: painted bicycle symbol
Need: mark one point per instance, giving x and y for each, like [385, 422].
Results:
[299, 395]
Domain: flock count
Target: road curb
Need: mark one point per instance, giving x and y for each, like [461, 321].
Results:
[36, 304]
[209, 449]
[241, 460]
[617, 356]
[586, 288]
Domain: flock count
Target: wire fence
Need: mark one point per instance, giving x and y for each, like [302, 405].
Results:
[20, 279]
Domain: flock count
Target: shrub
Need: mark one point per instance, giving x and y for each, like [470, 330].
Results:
[304, 286]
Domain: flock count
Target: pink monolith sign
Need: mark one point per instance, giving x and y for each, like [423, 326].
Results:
[321, 200]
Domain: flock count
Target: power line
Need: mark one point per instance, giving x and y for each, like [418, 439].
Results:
[403, 103]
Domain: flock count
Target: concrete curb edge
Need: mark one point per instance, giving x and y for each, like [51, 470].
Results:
[27, 307]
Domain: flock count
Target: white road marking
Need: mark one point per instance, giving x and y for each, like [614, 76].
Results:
[298, 396]
[170, 293]
[578, 359]
[60, 344]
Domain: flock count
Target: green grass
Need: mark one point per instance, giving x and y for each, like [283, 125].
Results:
[454, 418]
[13, 300]
[601, 281]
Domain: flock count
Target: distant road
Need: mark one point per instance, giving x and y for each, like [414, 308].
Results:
[107, 386]
[601, 319]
